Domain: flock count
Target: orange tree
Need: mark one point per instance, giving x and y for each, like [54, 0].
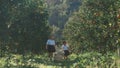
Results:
[24, 24]
[94, 27]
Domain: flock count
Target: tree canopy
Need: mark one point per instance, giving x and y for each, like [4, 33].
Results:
[24, 24]
[95, 27]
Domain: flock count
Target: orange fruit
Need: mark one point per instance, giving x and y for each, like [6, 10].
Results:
[118, 16]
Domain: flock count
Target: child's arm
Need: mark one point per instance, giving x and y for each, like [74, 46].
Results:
[62, 47]
[47, 44]
[68, 47]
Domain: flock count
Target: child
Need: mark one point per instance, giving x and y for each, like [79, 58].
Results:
[50, 46]
[65, 47]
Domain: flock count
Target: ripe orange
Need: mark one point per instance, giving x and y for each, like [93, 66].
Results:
[118, 16]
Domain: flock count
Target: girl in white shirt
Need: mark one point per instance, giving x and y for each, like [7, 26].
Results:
[65, 47]
[50, 46]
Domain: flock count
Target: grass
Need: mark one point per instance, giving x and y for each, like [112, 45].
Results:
[86, 60]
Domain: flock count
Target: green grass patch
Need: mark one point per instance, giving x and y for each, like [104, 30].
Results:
[85, 60]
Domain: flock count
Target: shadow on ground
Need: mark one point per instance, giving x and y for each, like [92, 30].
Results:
[64, 63]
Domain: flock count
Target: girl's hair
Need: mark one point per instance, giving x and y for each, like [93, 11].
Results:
[51, 36]
[64, 42]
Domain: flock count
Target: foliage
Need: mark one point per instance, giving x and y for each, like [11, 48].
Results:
[60, 11]
[24, 24]
[94, 59]
[85, 60]
[94, 27]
